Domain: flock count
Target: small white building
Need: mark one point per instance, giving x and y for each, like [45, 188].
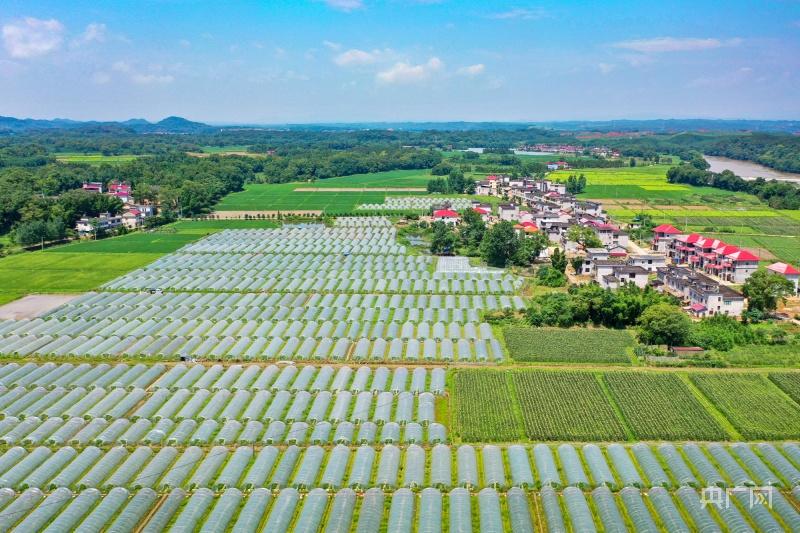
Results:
[650, 262]
[614, 275]
[508, 212]
[104, 222]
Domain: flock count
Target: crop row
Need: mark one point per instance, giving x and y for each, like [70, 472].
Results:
[216, 377]
[390, 466]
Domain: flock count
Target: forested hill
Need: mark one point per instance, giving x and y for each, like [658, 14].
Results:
[167, 125]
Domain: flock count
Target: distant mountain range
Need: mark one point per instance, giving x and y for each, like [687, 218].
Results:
[135, 125]
[178, 125]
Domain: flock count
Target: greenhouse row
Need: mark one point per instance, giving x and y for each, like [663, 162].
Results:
[226, 281]
[388, 307]
[220, 405]
[255, 348]
[81, 432]
[367, 222]
[233, 377]
[406, 264]
[352, 327]
[405, 203]
[399, 511]
[354, 460]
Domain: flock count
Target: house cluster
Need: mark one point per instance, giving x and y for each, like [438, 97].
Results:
[132, 216]
[570, 149]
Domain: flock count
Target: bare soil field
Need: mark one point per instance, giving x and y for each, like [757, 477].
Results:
[33, 305]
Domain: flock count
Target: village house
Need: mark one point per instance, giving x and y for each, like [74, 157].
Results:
[104, 222]
[613, 275]
[789, 272]
[593, 209]
[702, 295]
[713, 256]
[92, 186]
[483, 188]
[135, 215]
[650, 262]
[662, 237]
[448, 216]
[525, 228]
[122, 191]
[484, 210]
[508, 212]
[609, 234]
[593, 255]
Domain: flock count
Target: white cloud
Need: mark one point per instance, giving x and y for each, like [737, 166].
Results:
[152, 76]
[403, 72]
[605, 68]
[32, 37]
[355, 57]
[332, 45]
[344, 5]
[674, 44]
[101, 78]
[94, 33]
[185, 43]
[520, 13]
[472, 70]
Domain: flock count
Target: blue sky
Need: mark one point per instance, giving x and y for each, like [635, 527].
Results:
[272, 61]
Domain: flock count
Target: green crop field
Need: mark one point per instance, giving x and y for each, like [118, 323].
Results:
[661, 406]
[483, 412]
[94, 159]
[568, 345]
[84, 265]
[390, 178]
[282, 197]
[789, 382]
[754, 405]
[558, 405]
[156, 242]
[49, 272]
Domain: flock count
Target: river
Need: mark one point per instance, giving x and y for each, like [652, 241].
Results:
[749, 170]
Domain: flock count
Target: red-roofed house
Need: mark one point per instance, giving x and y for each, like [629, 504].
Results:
[526, 227]
[93, 186]
[789, 272]
[662, 237]
[448, 216]
[739, 266]
[121, 191]
[483, 212]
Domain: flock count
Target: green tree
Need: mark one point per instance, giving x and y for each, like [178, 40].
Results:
[499, 245]
[584, 236]
[764, 289]
[39, 232]
[530, 248]
[664, 324]
[559, 260]
[472, 229]
[577, 264]
[443, 240]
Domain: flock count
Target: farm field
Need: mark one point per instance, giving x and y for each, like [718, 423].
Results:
[621, 405]
[85, 265]
[758, 355]
[578, 345]
[661, 406]
[762, 412]
[47, 271]
[483, 410]
[282, 197]
[789, 382]
[94, 159]
[390, 178]
[562, 405]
